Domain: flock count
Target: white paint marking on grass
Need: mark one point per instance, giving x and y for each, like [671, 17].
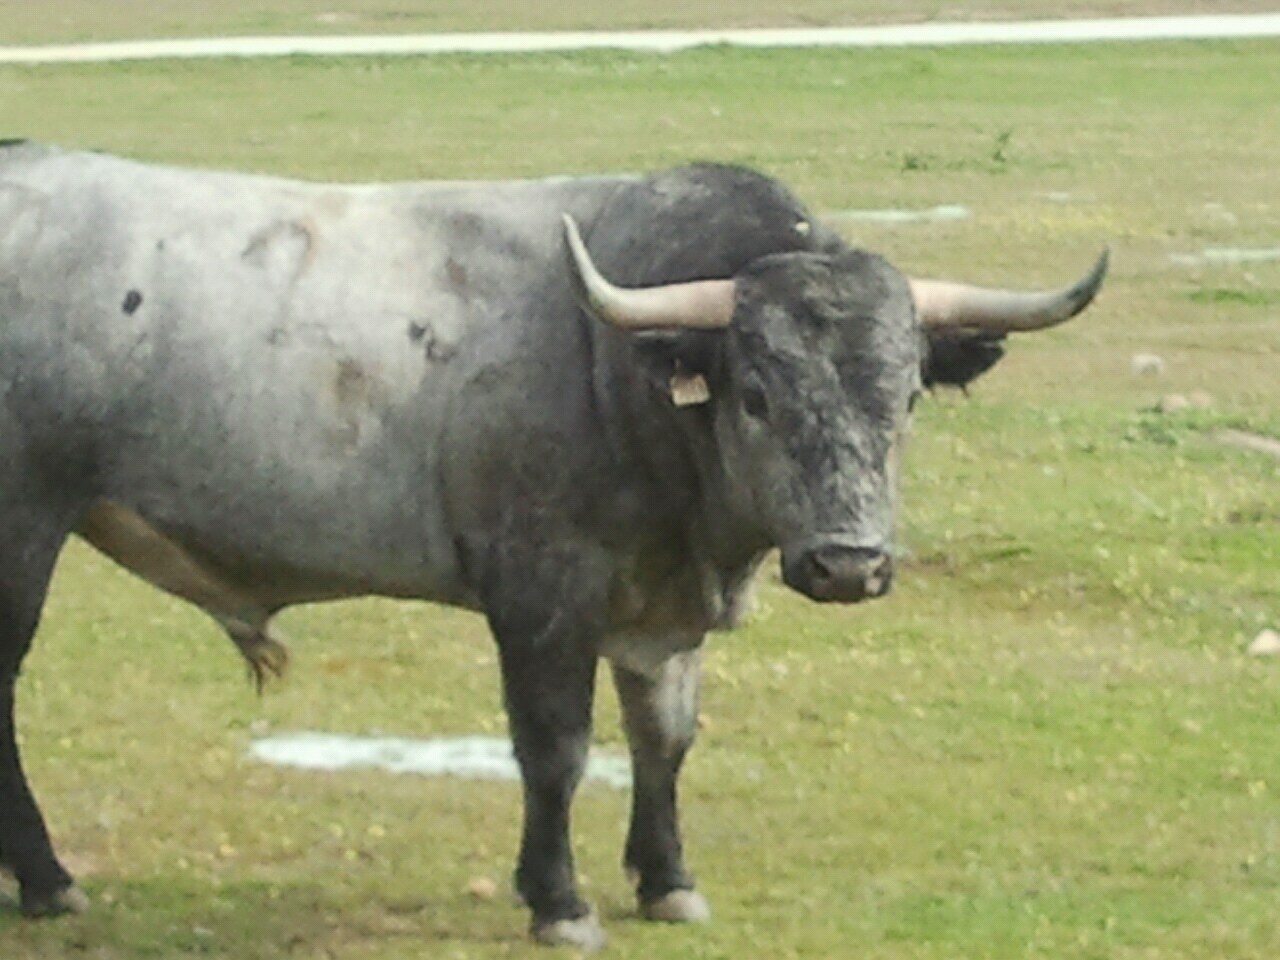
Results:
[932, 215]
[1226, 256]
[667, 41]
[471, 758]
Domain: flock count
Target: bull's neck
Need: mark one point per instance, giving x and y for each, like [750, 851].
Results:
[671, 455]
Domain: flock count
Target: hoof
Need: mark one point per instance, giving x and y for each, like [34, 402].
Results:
[584, 933]
[678, 906]
[67, 900]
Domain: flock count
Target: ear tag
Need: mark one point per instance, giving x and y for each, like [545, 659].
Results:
[689, 390]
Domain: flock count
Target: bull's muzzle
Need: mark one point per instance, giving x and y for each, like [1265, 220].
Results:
[835, 573]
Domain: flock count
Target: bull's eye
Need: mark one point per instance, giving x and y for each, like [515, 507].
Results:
[755, 402]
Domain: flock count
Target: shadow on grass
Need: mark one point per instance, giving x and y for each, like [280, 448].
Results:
[168, 915]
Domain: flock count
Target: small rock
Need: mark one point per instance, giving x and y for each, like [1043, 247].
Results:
[1173, 403]
[1147, 364]
[1177, 402]
[1266, 644]
[482, 888]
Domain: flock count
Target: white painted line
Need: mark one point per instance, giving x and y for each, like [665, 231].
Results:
[666, 41]
[471, 758]
[1226, 256]
[891, 216]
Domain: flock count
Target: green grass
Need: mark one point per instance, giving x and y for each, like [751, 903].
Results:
[1225, 295]
[1047, 743]
[32, 21]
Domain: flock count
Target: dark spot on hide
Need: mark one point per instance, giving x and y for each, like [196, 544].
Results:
[436, 349]
[470, 234]
[358, 400]
[457, 274]
[467, 227]
[132, 301]
[440, 352]
[351, 384]
[160, 245]
[471, 287]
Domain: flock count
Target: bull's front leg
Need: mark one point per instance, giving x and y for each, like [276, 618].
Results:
[548, 679]
[660, 709]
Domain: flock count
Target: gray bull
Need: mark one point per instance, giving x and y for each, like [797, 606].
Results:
[257, 393]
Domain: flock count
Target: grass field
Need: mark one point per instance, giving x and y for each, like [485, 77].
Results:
[40, 21]
[1047, 742]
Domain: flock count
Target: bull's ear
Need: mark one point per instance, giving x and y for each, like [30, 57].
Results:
[956, 357]
[680, 363]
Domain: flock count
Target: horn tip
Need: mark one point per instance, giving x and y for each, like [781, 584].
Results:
[1104, 262]
[1084, 292]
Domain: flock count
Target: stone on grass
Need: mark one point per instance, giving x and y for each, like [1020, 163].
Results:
[1147, 364]
[1178, 402]
[1266, 644]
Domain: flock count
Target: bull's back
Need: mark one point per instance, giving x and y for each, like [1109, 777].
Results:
[265, 368]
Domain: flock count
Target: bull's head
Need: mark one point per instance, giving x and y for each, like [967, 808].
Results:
[810, 365]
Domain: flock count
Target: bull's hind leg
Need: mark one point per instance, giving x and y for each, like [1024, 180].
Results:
[660, 709]
[30, 539]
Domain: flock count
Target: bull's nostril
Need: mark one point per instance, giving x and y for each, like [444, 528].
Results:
[835, 572]
[819, 568]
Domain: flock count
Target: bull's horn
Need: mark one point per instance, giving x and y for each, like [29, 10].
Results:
[702, 304]
[941, 304]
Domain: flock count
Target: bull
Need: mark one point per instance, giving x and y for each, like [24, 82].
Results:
[256, 393]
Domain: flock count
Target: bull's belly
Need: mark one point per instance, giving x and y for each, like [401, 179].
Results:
[238, 578]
